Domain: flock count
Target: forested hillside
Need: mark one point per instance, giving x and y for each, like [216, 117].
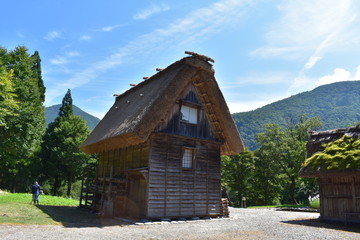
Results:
[52, 112]
[336, 104]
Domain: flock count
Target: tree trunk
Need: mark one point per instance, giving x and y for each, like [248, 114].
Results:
[292, 190]
[68, 188]
[56, 186]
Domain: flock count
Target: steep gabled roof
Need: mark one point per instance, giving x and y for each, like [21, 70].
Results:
[136, 112]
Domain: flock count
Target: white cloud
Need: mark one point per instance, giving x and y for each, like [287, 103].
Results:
[109, 28]
[300, 83]
[62, 60]
[263, 78]
[245, 105]
[319, 52]
[98, 114]
[303, 83]
[196, 26]
[306, 28]
[154, 9]
[59, 61]
[289, 52]
[85, 38]
[339, 75]
[73, 54]
[20, 35]
[50, 36]
[242, 106]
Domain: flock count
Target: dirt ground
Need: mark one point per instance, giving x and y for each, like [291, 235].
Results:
[242, 224]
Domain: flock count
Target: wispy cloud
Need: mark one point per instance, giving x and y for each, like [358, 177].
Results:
[307, 32]
[154, 9]
[307, 29]
[85, 38]
[20, 35]
[263, 78]
[62, 60]
[58, 61]
[196, 26]
[72, 54]
[50, 36]
[110, 28]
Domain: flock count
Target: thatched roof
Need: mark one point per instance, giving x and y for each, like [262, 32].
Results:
[316, 144]
[137, 112]
[308, 172]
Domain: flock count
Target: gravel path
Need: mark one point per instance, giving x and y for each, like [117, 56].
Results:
[243, 224]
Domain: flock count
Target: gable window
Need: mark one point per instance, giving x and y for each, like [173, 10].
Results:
[189, 114]
[188, 157]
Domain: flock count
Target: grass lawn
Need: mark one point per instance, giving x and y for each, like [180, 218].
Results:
[17, 208]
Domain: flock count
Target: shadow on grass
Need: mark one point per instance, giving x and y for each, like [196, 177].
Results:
[78, 217]
[350, 227]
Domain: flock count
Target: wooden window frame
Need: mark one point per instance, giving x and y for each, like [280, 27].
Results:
[191, 106]
[185, 161]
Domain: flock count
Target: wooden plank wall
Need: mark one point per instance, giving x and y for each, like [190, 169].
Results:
[116, 162]
[177, 192]
[118, 181]
[339, 195]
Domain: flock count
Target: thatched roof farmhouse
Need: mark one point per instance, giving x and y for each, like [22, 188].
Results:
[160, 145]
[334, 158]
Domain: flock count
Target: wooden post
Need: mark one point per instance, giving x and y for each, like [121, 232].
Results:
[353, 192]
[81, 191]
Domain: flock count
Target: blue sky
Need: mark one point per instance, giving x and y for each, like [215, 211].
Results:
[264, 50]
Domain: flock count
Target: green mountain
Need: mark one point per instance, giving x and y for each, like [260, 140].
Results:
[337, 105]
[52, 112]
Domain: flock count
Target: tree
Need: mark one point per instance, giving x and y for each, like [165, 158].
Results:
[24, 130]
[62, 159]
[286, 149]
[267, 181]
[236, 175]
[8, 103]
[36, 67]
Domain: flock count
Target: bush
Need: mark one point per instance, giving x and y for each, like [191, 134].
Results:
[315, 203]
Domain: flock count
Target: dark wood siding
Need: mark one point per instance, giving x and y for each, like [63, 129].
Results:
[177, 192]
[338, 196]
[121, 181]
[173, 125]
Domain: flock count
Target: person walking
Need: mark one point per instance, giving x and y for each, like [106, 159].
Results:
[35, 190]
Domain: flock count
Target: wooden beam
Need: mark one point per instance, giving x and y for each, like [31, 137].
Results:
[353, 192]
[202, 57]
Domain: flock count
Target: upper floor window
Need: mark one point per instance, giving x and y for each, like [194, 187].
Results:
[189, 114]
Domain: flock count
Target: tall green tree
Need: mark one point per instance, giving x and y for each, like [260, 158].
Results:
[8, 105]
[36, 68]
[236, 174]
[286, 149]
[267, 180]
[22, 138]
[63, 162]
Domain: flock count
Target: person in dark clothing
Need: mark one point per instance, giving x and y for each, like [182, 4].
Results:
[35, 190]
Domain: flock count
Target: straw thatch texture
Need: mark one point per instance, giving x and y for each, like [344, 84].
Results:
[136, 113]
